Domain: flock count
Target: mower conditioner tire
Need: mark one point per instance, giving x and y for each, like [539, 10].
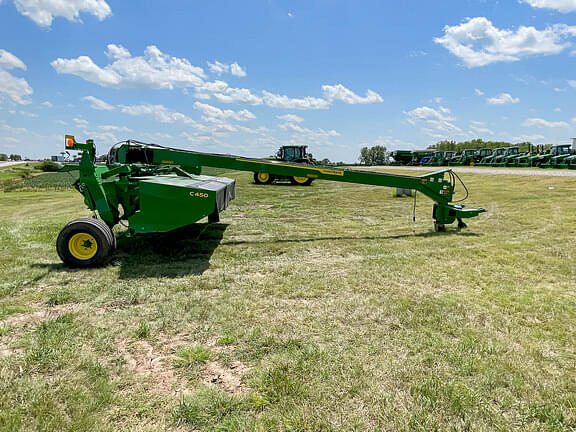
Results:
[301, 181]
[263, 178]
[85, 242]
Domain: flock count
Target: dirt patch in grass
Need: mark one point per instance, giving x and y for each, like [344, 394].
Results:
[146, 361]
[6, 349]
[155, 363]
[226, 377]
[16, 325]
[34, 318]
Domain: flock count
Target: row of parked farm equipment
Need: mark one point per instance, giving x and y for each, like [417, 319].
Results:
[557, 156]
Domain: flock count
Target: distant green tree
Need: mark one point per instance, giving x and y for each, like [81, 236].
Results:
[364, 156]
[49, 166]
[375, 155]
[15, 157]
[3, 157]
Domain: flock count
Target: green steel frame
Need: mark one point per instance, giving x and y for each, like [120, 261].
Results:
[116, 190]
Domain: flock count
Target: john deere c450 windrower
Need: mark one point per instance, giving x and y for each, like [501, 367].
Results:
[160, 189]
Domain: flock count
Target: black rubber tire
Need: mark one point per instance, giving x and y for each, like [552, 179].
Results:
[105, 240]
[258, 181]
[306, 183]
[439, 227]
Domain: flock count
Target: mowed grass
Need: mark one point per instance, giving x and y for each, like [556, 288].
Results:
[307, 309]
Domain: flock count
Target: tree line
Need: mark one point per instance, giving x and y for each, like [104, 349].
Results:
[12, 157]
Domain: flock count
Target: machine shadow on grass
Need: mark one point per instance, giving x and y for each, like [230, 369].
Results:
[188, 250]
[174, 254]
[365, 238]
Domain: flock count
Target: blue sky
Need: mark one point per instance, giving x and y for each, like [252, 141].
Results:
[247, 77]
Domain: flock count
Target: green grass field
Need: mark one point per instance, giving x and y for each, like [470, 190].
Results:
[19, 171]
[307, 309]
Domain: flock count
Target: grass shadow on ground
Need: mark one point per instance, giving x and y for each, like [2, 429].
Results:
[178, 253]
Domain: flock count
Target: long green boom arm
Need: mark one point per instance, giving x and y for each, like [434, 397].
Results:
[133, 169]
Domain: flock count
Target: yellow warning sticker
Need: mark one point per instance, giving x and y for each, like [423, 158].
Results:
[325, 171]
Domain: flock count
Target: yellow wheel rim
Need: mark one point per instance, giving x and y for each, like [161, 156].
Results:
[300, 179]
[472, 164]
[82, 246]
[263, 177]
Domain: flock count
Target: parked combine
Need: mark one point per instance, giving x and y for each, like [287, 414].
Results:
[401, 157]
[159, 189]
[296, 154]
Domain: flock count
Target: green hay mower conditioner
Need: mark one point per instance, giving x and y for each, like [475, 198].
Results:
[160, 189]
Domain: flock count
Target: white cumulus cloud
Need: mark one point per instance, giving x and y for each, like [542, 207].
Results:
[529, 138]
[503, 99]
[477, 42]
[564, 6]
[154, 70]
[212, 114]
[15, 89]
[10, 61]
[301, 134]
[433, 120]
[42, 12]
[220, 91]
[290, 118]
[158, 112]
[221, 68]
[541, 123]
[341, 93]
[98, 104]
[115, 128]
[481, 130]
[285, 102]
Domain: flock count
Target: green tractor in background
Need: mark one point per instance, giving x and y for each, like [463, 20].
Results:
[440, 158]
[558, 157]
[420, 156]
[297, 154]
[465, 157]
[481, 154]
[507, 157]
[497, 156]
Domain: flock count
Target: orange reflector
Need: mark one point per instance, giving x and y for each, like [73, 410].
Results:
[69, 143]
